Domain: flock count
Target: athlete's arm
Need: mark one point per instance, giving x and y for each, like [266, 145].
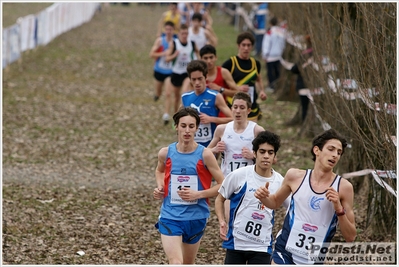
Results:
[213, 167]
[160, 173]
[211, 38]
[196, 51]
[172, 52]
[274, 201]
[219, 210]
[343, 201]
[216, 145]
[207, 17]
[258, 129]
[228, 79]
[261, 92]
[222, 106]
[153, 52]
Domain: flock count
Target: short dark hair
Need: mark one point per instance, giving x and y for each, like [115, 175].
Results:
[273, 21]
[183, 27]
[266, 137]
[169, 23]
[197, 65]
[321, 139]
[197, 16]
[207, 49]
[245, 35]
[186, 111]
[244, 96]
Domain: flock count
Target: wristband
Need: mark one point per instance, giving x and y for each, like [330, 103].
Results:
[221, 90]
[341, 212]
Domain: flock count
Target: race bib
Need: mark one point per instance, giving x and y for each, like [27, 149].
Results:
[180, 181]
[302, 236]
[165, 65]
[204, 133]
[254, 227]
[236, 164]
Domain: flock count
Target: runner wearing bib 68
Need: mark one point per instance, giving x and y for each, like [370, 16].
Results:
[321, 201]
[207, 102]
[248, 236]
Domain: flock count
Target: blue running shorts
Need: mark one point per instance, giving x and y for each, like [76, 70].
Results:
[191, 231]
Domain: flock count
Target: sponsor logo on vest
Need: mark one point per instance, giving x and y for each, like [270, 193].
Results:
[314, 202]
[245, 139]
[182, 179]
[309, 228]
[237, 156]
[257, 216]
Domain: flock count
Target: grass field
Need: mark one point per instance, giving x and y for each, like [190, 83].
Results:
[12, 11]
[80, 140]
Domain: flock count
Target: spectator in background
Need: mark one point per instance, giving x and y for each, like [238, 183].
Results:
[306, 59]
[260, 26]
[273, 46]
[298, 68]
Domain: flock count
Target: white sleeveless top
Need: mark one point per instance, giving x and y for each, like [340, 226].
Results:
[232, 156]
[186, 54]
[199, 38]
[312, 218]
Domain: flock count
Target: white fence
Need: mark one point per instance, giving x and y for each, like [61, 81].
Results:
[40, 29]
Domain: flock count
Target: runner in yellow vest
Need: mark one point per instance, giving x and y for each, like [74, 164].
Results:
[172, 15]
[246, 71]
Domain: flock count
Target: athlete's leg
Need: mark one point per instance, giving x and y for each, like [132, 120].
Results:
[158, 89]
[169, 88]
[168, 92]
[173, 247]
[190, 252]
[177, 102]
[235, 257]
[258, 258]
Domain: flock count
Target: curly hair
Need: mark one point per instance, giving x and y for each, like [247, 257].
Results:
[266, 137]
